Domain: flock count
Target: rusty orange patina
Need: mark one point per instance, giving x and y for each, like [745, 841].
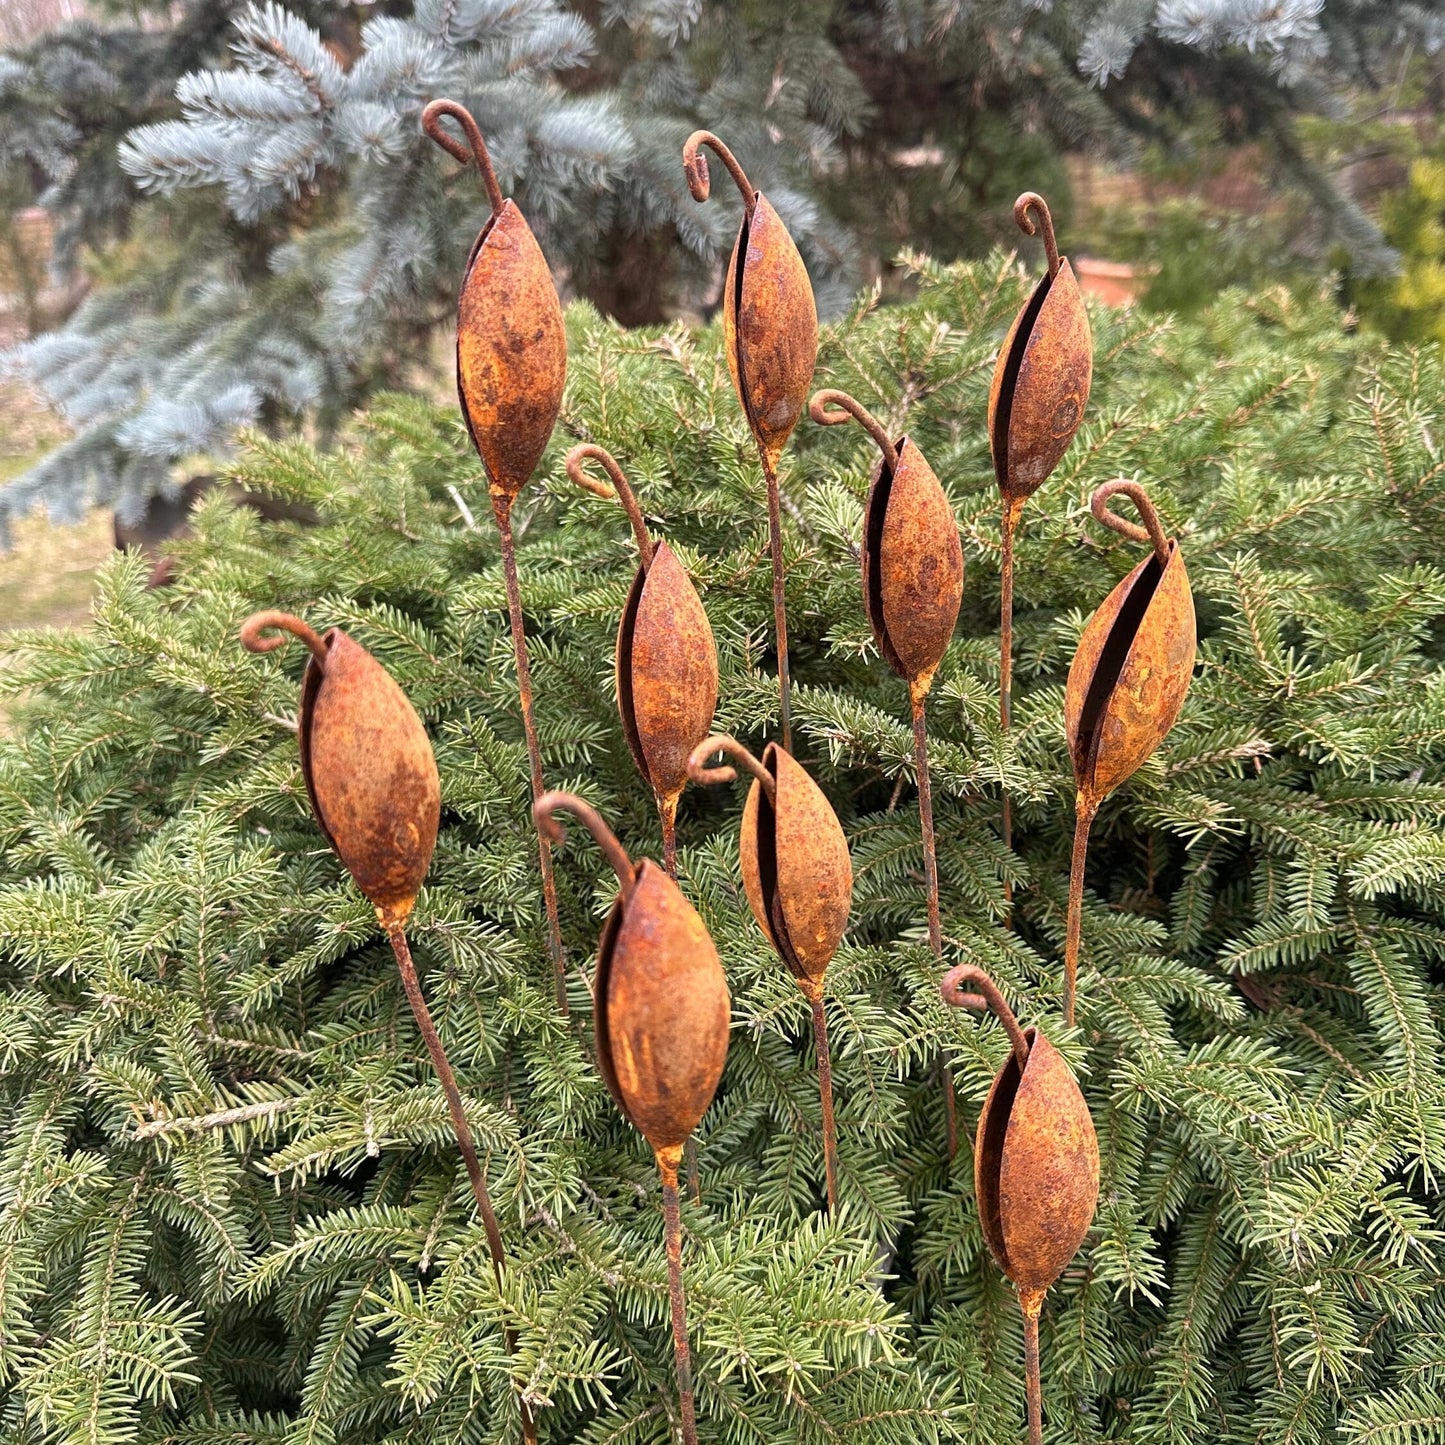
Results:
[666, 659]
[798, 878]
[511, 342]
[770, 320]
[367, 761]
[1041, 381]
[1036, 1164]
[662, 1015]
[1126, 687]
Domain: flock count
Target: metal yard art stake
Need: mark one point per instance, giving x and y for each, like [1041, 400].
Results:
[1040, 388]
[912, 590]
[1127, 683]
[662, 1014]
[798, 878]
[666, 658]
[372, 780]
[1035, 1166]
[770, 327]
[511, 369]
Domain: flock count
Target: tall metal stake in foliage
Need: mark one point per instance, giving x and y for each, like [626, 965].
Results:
[372, 779]
[666, 658]
[1127, 683]
[1040, 388]
[511, 369]
[912, 590]
[799, 881]
[770, 326]
[1035, 1166]
[661, 1010]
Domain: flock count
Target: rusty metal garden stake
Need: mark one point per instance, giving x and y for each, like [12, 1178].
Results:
[912, 590]
[1127, 683]
[662, 1012]
[511, 369]
[1040, 388]
[666, 658]
[770, 327]
[371, 776]
[1035, 1166]
[799, 883]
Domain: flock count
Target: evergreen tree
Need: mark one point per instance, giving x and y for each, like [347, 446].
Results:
[230, 1206]
[291, 243]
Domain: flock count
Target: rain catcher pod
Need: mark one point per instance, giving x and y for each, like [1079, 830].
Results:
[1040, 389]
[662, 1016]
[666, 657]
[1035, 1166]
[770, 330]
[372, 780]
[511, 369]
[912, 590]
[1126, 685]
[798, 878]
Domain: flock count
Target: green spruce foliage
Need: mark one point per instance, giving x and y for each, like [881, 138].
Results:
[231, 1210]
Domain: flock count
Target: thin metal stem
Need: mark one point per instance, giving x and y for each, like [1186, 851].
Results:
[1084, 809]
[502, 507]
[442, 1067]
[667, 1162]
[780, 605]
[825, 1093]
[918, 694]
[1011, 508]
[1031, 1307]
[667, 812]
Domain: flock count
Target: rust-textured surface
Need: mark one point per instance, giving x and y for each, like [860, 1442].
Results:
[1044, 370]
[666, 672]
[1130, 675]
[1035, 1166]
[662, 1010]
[367, 761]
[770, 326]
[511, 350]
[912, 564]
[796, 870]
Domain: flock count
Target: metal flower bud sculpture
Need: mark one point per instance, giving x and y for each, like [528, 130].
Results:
[511, 368]
[372, 779]
[770, 328]
[1126, 684]
[799, 882]
[1035, 1166]
[666, 657]
[1040, 389]
[912, 590]
[662, 1013]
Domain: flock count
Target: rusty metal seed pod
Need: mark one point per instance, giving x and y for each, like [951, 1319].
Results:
[372, 780]
[912, 590]
[1036, 1166]
[770, 331]
[1040, 389]
[662, 1015]
[666, 658]
[1127, 684]
[511, 370]
[798, 878]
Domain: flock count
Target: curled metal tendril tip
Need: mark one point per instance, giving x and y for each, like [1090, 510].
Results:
[699, 772]
[475, 152]
[1153, 529]
[544, 812]
[1031, 201]
[851, 407]
[259, 623]
[699, 181]
[989, 997]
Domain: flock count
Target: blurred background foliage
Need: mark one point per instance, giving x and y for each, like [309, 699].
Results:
[216, 213]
